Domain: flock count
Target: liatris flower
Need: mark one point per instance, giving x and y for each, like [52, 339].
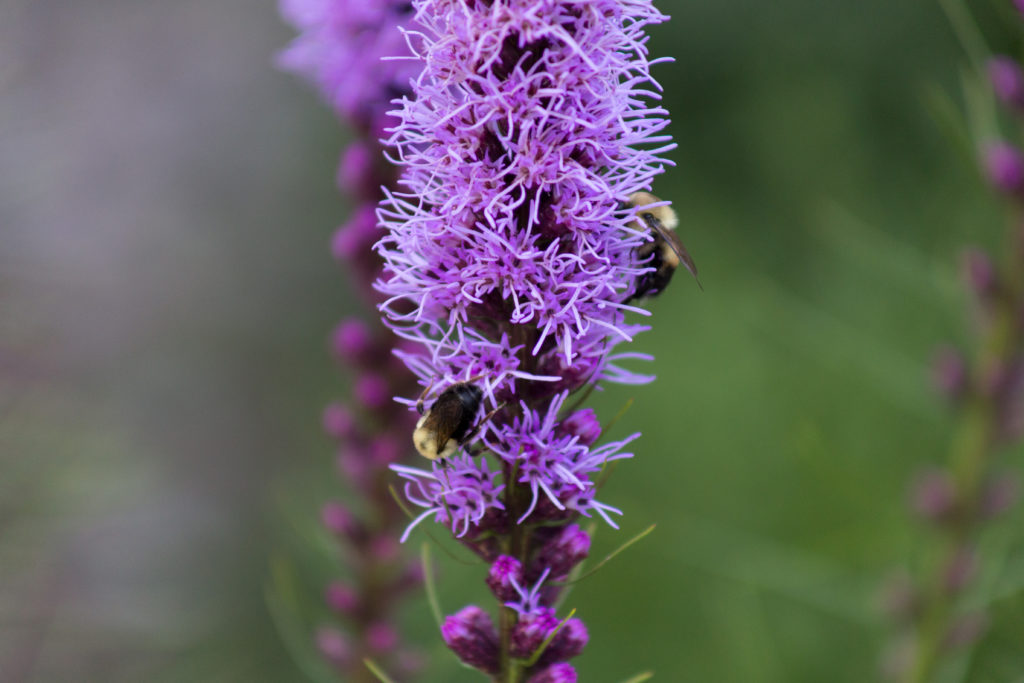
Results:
[510, 255]
[342, 49]
[935, 614]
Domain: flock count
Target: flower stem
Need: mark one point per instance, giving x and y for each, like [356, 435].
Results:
[970, 459]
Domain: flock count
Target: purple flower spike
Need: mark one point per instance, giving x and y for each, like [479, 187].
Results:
[471, 636]
[1007, 81]
[510, 252]
[556, 673]
[1005, 167]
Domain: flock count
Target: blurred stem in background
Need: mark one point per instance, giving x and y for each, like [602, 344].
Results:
[340, 49]
[944, 612]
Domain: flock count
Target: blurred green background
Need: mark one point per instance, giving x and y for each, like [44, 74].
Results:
[166, 290]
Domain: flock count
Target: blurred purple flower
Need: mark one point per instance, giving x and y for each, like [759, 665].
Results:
[343, 48]
[1005, 167]
[1007, 81]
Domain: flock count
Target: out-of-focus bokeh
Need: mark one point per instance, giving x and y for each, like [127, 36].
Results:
[166, 291]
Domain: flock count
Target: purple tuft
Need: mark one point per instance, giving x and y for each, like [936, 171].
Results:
[1000, 494]
[338, 421]
[342, 598]
[381, 637]
[352, 341]
[1005, 167]
[506, 572]
[584, 425]
[561, 672]
[340, 522]
[563, 552]
[531, 630]
[949, 372]
[569, 643]
[373, 391]
[334, 647]
[933, 495]
[1007, 81]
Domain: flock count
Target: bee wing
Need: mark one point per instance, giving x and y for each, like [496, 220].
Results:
[447, 417]
[674, 243]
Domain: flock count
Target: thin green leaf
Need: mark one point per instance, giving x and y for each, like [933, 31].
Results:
[640, 678]
[967, 32]
[609, 557]
[726, 552]
[885, 255]
[377, 671]
[949, 118]
[982, 116]
[618, 416]
[547, 641]
[282, 600]
[428, 582]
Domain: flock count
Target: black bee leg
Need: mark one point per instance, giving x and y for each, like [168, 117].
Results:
[476, 430]
[422, 398]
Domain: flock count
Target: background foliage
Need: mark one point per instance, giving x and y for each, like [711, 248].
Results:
[166, 290]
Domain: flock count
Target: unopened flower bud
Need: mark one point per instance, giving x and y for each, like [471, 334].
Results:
[352, 340]
[569, 643]
[381, 637]
[532, 629]
[966, 630]
[899, 597]
[356, 174]
[949, 372]
[340, 522]
[959, 570]
[338, 421]
[342, 598]
[354, 465]
[933, 495]
[504, 570]
[385, 548]
[1007, 81]
[471, 636]
[999, 495]
[980, 273]
[373, 391]
[1005, 168]
[561, 672]
[384, 450]
[583, 424]
[354, 239]
[562, 553]
[334, 647]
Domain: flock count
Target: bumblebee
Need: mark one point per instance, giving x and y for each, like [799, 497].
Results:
[664, 252]
[448, 423]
